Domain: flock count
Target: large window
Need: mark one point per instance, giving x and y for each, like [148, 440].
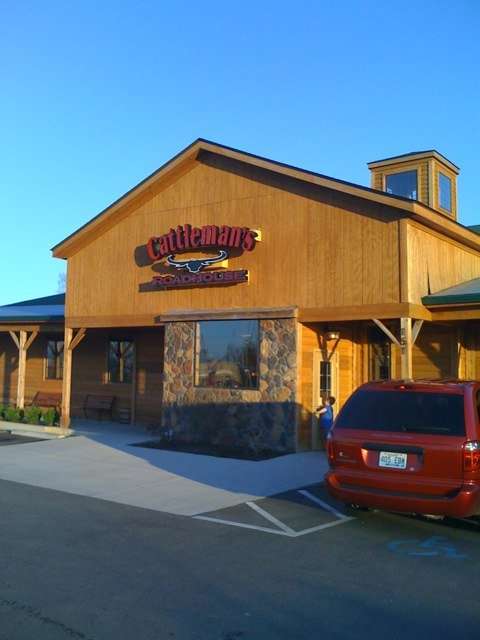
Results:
[54, 360]
[445, 192]
[120, 360]
[227, 354]
[380, 355]
[402, 184]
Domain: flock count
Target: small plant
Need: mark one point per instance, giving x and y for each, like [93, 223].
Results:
[12, 414]
[50, 417]
[33, 415]
[2, 411]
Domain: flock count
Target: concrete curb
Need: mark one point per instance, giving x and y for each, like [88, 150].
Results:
[35, 431]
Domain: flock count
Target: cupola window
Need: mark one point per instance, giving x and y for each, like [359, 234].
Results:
[444, 192]
[403, 183]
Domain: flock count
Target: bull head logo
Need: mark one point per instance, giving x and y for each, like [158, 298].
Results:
[196, 265]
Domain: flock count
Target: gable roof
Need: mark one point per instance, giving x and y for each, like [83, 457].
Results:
[184, 160]
[47, 309]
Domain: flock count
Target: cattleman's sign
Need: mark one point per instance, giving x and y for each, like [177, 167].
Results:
[216, 243]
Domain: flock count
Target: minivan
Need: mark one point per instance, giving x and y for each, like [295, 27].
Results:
[408, 446]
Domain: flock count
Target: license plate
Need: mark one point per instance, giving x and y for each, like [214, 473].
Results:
[392, 460]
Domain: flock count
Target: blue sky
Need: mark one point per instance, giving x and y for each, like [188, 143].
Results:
[96, 95]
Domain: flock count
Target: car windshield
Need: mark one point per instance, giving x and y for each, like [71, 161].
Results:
[404, 411]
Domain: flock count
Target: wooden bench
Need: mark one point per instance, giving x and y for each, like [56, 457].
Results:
[100, 404]
[47, 400]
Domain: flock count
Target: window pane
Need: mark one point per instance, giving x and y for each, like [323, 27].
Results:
[402, 184]
[404, 411]
[120, 361]
[54, 360]
[227, 354]
[445, 192]
[325, 379]
[380, 355]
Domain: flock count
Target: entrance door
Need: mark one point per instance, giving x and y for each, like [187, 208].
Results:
[325, 383]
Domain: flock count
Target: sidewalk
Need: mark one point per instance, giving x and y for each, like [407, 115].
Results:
[100, 463]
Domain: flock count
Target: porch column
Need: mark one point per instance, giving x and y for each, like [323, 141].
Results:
[23, 342]
[67, 379]
[70, 342]
[406, 343]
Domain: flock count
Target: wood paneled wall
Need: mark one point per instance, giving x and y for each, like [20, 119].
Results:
[435, 263]
[350, 369]
[35, 369]
[8, 369]
[90, 366]
[319, 248]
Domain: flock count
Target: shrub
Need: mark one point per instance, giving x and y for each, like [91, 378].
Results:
[33, 415]
[50, 417]
[12, 414]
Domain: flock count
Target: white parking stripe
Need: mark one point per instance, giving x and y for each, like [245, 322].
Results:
[272, 519]
[283, 529]
[244, 526]
[322, 526]
[324, 505]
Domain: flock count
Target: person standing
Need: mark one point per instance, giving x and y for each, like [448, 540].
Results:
[325, 417]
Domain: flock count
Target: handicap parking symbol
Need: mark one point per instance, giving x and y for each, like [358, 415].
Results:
[435, 546]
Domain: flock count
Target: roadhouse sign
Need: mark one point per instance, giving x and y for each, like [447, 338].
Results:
[193, 272]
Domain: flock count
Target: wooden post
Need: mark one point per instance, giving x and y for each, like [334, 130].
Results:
[406, 343]
[22, 365]
[67, 378]
[70, 342]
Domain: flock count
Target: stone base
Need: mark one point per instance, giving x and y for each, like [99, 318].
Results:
[263, 419]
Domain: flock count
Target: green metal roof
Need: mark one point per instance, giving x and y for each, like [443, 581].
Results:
[464, 293]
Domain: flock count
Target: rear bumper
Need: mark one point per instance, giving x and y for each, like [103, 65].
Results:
[465, 502]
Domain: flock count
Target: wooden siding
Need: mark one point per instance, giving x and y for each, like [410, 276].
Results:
[35, 369]
[435, 262]
[350, 370]
[319, 248]
[89, 374]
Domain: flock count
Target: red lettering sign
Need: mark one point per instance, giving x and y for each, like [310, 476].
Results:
[185, 238]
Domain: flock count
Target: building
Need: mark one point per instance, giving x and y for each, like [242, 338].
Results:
[224, 295]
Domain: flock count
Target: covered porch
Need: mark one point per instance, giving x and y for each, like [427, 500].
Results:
[31, 353]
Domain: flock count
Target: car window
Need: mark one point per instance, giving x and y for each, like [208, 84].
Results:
[405, 411]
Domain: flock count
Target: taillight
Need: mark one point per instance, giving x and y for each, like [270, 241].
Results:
[330, 450]
[471, 455]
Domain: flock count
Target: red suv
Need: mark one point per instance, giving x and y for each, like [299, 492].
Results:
[408, 446]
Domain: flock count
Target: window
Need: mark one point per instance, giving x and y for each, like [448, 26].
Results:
[54, 360]
[402, 184]
[227, 354]
[120, 360]
[325, 379]
[444, 192]
[404, 411]
[379, 356]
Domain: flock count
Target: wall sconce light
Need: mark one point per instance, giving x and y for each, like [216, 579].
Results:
[332, 335]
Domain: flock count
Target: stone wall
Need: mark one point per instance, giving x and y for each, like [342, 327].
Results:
[261, 419]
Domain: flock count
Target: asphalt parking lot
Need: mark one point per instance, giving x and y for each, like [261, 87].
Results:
[80, 567]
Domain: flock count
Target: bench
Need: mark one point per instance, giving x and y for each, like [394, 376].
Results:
[47, 400]
[100, 404]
